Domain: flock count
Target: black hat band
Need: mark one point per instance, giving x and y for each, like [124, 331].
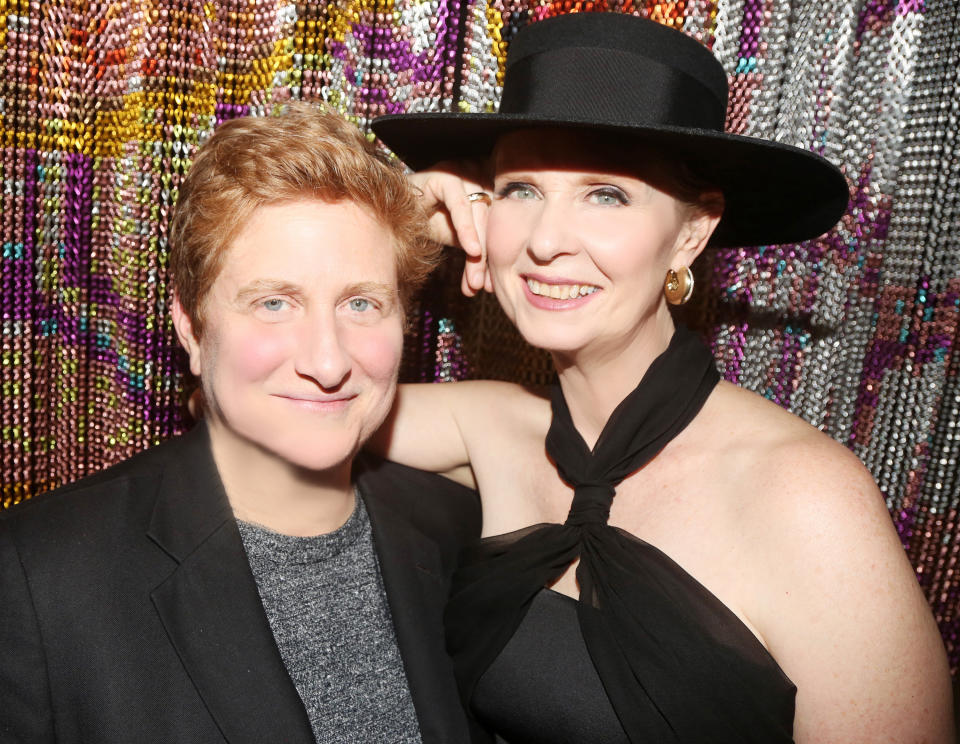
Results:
[562, 84]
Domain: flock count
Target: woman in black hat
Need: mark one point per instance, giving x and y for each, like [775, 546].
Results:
[746, 583]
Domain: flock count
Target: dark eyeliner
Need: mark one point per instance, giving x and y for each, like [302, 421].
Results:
[511, 186]
[617, 193]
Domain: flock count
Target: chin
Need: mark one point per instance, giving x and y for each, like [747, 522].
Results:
[555, 339]
[316, 453]
[319, 461]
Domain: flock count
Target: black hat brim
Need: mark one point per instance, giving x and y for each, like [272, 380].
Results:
[774, 193]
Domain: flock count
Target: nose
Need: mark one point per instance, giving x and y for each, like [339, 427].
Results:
[550, 235]
[321, 354]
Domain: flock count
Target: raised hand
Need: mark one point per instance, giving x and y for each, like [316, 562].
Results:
[457, 198]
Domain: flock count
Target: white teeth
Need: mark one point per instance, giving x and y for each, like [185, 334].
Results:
[560, 291]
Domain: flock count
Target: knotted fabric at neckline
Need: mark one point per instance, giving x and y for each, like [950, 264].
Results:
[669, 395]
[676, 663]
[591, 504]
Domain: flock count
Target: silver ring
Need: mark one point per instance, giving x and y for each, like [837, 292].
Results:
[480, 196]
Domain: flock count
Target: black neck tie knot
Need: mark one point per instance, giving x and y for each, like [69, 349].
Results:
[591, 504]
[672, 390]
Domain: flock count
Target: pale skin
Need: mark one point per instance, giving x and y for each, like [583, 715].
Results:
[298, 359]
[783, 524]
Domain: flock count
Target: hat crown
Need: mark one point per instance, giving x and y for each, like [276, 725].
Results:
[613, 70]
[629, 79]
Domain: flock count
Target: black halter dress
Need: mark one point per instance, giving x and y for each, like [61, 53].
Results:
[648, 654]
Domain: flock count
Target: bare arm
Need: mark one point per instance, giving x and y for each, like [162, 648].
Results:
[847, 619]
[448, 428]
[422, 431]
[431, 425]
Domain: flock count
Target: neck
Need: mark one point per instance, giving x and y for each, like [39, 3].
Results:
[594, 381]
[265, 489]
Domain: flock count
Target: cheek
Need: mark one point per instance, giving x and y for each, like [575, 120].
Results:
[630, 253]
[377, 350]
[503, 238]
[255, 352]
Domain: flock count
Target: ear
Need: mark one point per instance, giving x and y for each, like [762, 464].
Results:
[693, 238]
[189, 341]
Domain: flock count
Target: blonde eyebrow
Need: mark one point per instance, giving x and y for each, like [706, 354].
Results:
[388, 293]
[266, 286]
[375, 288]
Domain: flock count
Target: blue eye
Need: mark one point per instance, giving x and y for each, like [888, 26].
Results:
[360, 304]
[608, 197]
[518, 191]
[274, 304]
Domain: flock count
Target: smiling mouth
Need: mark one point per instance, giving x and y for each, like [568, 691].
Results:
[318, 401]
[560, 291]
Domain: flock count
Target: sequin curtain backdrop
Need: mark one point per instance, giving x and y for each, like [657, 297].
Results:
[103, 104]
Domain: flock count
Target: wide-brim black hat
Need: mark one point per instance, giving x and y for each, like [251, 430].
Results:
[613, 74]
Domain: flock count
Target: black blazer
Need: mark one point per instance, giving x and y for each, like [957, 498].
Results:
[128, 611]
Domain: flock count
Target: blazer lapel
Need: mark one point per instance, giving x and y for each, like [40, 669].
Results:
[417, 592]
[211, 609]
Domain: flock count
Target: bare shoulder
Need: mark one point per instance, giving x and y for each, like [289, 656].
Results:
[836, 599]
[788, 460]
[804, 490]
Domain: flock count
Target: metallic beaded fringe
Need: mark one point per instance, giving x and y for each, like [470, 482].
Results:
[102, 106]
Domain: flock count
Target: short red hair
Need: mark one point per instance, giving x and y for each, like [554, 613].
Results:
[304, 152]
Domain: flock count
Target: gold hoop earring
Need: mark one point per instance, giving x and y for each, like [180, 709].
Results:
[678, 288]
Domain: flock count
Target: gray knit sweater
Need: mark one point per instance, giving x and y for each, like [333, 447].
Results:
[328, 611]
